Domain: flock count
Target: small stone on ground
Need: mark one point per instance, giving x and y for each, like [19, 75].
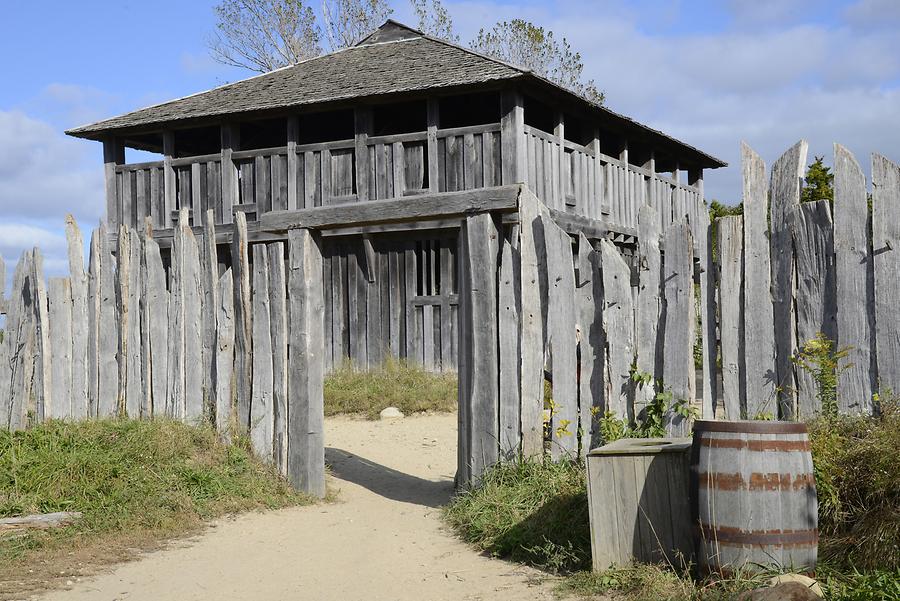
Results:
[391, 413]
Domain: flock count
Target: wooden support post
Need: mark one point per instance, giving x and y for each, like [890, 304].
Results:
[559, 131]
[306, 445]
[649, 308]
[231, 141]
[434, 119]
[156, 328]
[293, 162]
[113, 154]
[362, 121]
[600, 204]
[512, 138]
[261, 412]
[508, 326]
[278, 319]
[479, 366]
[224, 416]
[678, 344]
[731, 301]
[169, 181]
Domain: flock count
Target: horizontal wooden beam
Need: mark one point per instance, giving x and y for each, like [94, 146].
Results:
[578, 224]
[424, 207]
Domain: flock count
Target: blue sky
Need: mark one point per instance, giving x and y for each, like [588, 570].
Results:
[711, 73]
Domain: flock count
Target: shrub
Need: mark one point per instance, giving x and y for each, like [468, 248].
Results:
[394, 384]
[858, 485]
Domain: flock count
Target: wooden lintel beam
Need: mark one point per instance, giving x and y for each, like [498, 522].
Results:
[425, 206]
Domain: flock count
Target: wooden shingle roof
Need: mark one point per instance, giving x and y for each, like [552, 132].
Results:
[395, 59]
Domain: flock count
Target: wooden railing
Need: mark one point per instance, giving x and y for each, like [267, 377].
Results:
[566, 176]
[574, 178]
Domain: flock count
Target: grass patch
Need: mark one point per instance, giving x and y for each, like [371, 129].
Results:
[137, 484]
[531, 512]
[394, 384]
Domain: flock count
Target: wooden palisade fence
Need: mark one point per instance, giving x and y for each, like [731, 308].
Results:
[245, 349]
[831, 270]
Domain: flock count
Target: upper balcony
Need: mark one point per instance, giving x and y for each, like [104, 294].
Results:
[392, 151]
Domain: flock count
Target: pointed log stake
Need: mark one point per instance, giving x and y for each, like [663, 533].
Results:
[79, 290]
[591, 344]
[19, 339]
[261, 415]
[225, 357]
[854, 284]
[759, 333]
[681, 315]
[209, 282]
[618, 320]
[885, 249]
[279, 329]
[156, 326]
[731, 301]
[41, 387]
[648, 339]
[784, 195]
[60, 320]
[243, 332]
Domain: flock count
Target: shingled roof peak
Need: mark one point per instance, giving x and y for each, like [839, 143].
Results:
[391, 31]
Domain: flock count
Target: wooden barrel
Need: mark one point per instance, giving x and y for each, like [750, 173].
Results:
[753, 496]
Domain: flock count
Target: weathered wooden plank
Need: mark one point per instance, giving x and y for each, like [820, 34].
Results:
[681, 315]
[707, 309]
[812, 233]
[209, 304]
[306, 446]
[59, 297]
[103, 337]
[731, 314]
[508, 332]
[224, 409]
[533, 290]
[261, 410]
[18, 346]
[478, 296]
[413, 341]
[131, 387]
[375, 311]
[395, 300]
[562, 343]
[194, 409]
[591, 345]
[854, 284]
[649, 327]
[243, 344]
[293, 167]
[885, 247]
[426, 206]
[353, 326]
[79, 291]
[42, 395]
[784, 196]
[362, 124]
[759, 332]
[278, 320]
[618, 320]
[156, 327]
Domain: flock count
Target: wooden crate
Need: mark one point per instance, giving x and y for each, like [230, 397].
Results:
[638, 502]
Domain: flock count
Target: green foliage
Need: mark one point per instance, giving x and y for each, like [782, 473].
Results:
[819, 184]
[819, 357]
[525, 44]
[137, 478]
[854, 585]
[531, 512]
[395, 384]
[716, 211]
[434, 19]
[858, 486]
[651, 422]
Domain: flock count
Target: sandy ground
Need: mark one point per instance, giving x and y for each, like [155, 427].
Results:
[382, 540]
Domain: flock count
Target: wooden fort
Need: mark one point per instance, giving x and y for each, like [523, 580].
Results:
[401, 115]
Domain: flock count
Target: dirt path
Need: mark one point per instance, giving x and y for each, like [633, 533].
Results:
[383, 540]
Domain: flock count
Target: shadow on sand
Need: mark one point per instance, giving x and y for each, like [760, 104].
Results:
[387, 482]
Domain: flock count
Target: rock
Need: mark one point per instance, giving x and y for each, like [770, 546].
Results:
[806, 581]
[391, 413]
[786, 591]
